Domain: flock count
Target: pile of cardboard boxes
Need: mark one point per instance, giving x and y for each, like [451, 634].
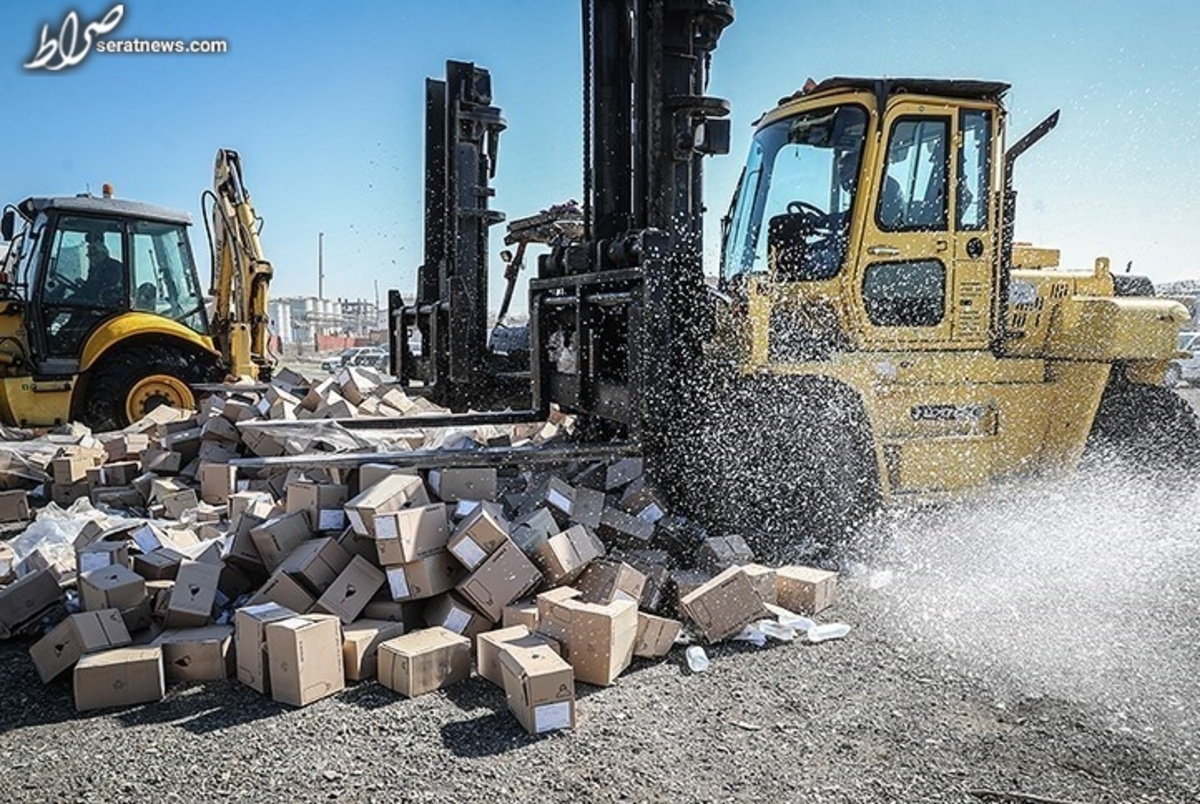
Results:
[299, 581]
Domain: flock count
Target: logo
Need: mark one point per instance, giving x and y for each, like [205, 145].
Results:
[70, 48]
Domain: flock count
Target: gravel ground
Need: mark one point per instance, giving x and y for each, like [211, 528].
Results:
[876, 717]
[1047, 646]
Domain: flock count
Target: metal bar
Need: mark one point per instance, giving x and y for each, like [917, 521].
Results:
[602, 277]
[406, 422]
[433, 458]
[219, 387]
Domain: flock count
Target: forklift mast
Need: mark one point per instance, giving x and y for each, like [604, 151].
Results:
[616, 319]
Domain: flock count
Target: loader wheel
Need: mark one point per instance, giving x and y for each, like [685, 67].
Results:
[791, 464]
[1149, 427]
[129, 384]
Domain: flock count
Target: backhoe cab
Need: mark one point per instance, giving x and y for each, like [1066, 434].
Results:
[102, 315]
[868, 258]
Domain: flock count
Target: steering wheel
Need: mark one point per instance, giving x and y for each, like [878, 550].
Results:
[814, 216]
[73, 285]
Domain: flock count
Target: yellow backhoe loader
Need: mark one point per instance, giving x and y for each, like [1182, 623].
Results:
[102, 316]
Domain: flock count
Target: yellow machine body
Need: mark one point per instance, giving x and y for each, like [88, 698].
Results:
[1005, 374]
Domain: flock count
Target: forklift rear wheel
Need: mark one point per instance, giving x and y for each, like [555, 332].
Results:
[1147, 426]
[129, 384]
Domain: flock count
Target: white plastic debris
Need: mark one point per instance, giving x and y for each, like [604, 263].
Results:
[821, 633]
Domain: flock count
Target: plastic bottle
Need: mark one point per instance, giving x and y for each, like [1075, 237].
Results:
[784, 633]
[820, 633]
[697, 659]
[796, 621]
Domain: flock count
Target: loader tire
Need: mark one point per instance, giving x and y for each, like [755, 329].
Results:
[796, 465]
[127, 385]
[1147, 427]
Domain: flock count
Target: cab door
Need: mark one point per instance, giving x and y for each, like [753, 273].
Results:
[924, 272]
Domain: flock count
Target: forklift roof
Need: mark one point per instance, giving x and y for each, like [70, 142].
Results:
[91, 205]
[883, 87]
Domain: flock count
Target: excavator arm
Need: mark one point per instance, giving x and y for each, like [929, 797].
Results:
[241, 275]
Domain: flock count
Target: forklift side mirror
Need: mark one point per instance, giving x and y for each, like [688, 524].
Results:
[712, 137]
[8, 224]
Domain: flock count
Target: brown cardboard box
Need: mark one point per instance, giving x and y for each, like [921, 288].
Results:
[175, 504]
[8, 565]
[411, 614]
[424, 661]
[159, 565]
[75, 636]
[605, 581]
[805, 590]
[241, 551]
[121, 473]
[539, 687]
[70, 469]
[424, 579]
[193, 594]
[719, 553]
[304, 654]
[323, 502]
[197, 654]
[504, 576]
[14, 506]
[256, 502]
[161, 461]
[279, 536]
[533, 530]
[521, 612]
[402, 537]
[139, 617]
[489, 644]
[371, 473]
[618, 524]
[360, 646]
[565, 556]
[622, 473]
[452, 485]
[316, 564]
[119, 677]
[724, 606]
[217, 482]
[116, 587]
[596, 639]
[351, 591]
[655, 636]
[64, 496]
[250, 642]
[455, 614]
[587, 507]
[392, 493]
[763, 579]
[284, 590]
[688, 581]
[99, 555]
[481, 532]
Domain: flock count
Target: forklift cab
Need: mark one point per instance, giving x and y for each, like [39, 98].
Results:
[83, 261]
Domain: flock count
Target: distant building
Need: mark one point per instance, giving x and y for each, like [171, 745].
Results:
[305, 321]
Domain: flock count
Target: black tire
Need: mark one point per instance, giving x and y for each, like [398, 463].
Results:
[1147, 427]
[788, 462]
[117, 374]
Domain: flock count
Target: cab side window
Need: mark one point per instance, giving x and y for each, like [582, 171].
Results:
[84, 281]
[974, 165]
[913, 196]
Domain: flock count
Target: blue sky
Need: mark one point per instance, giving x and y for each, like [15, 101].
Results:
[325, 102]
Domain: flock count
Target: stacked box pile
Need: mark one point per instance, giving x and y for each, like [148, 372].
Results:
[298, 581]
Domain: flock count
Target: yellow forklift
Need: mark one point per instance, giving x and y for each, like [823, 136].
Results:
[102, 315]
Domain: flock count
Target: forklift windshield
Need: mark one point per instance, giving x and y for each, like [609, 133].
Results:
[800, 181]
